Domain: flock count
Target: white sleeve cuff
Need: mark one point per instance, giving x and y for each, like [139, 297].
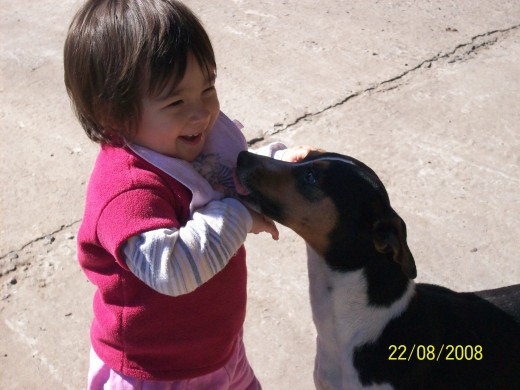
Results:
[273, 150]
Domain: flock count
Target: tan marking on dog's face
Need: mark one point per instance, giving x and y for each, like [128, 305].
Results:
[314, 224]
[312, 220]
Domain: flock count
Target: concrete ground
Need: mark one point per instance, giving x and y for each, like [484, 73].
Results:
[426, 93]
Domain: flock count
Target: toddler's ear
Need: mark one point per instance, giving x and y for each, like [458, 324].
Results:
[117, 134]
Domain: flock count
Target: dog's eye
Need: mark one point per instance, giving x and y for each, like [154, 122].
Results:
[310, 177]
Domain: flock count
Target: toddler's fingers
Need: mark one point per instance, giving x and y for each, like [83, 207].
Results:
[297, 153]
[273, 230]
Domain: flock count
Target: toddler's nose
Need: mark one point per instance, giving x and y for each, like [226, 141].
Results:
[199, 115]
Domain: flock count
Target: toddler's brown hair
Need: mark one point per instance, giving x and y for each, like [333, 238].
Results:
[118, 51]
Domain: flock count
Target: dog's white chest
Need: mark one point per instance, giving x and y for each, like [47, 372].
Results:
[344, 320]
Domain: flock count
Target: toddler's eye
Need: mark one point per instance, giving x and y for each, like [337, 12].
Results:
[175, 103]
[209, 89]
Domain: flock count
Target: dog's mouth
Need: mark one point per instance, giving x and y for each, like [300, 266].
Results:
[245, 194]
[248, 192]
[240, 188]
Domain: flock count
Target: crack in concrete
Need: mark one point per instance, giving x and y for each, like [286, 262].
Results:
[473, 46]
[458, 54]
[44, 236]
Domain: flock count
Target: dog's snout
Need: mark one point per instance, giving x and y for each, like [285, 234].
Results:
[245, 159]
[250, 163]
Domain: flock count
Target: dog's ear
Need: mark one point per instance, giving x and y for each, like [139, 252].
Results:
[389, 236]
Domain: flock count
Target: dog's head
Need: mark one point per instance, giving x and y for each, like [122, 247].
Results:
[335, 203]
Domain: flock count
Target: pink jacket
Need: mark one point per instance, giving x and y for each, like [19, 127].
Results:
[136, 330]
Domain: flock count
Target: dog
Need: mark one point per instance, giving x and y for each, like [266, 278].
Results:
[376, 327]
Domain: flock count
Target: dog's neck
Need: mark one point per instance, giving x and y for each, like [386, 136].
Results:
[345, 315]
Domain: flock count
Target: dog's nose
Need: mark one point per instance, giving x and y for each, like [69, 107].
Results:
[255, 162]
[243, 158]
[247, 160]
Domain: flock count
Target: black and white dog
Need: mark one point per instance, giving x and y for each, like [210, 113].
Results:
[376, 327]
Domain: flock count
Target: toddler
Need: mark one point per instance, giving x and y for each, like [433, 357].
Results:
[162, 235]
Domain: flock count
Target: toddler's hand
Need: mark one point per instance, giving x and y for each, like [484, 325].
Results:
[297, 153]
[261, 223]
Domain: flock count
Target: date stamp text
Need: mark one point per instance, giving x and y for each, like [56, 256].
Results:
[435, 353]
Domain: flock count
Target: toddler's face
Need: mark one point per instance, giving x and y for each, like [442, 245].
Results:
[178, 125]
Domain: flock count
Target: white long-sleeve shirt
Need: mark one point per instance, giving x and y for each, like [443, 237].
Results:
[177, 261]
